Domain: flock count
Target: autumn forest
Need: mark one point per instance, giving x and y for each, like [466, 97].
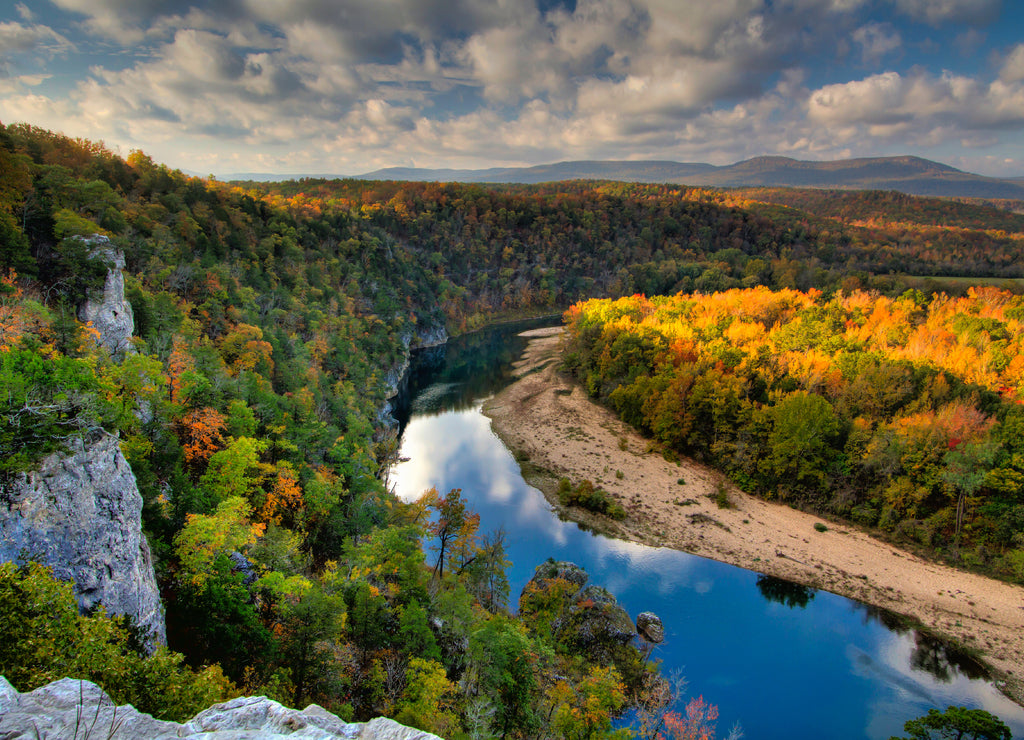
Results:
[857, 354]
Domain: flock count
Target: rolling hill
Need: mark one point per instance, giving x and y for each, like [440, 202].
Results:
[911, 175]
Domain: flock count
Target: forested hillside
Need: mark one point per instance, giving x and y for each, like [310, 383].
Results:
[268, 317]
[512, 245]
[249, 413]
[903, 414]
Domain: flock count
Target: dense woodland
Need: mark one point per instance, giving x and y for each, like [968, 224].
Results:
[903, 414]
[269, 315]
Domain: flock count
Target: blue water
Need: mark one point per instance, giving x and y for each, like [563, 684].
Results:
[793, 664]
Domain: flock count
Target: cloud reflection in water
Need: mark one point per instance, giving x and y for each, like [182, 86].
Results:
[718, 624]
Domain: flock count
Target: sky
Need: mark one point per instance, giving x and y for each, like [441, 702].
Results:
[343, 87]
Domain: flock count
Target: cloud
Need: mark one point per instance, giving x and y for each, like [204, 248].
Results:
[1013, 65]
[876, 40]
[18, 40]
[18, 37]
[119, 20]
[975, 12]
[937, 107]
[350, 85]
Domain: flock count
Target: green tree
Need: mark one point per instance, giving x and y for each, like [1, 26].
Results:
[485, 573]
[800, 444]
[232, 472]
[964, 472]
[311, 625]
[956, 723]
[414, 632]
[428, 698]
[205, 537]
[502, 656]
[368, 618]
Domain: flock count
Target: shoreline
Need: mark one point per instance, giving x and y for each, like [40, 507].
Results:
[556, 431]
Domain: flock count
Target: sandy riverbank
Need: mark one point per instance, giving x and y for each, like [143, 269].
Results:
[549, 421]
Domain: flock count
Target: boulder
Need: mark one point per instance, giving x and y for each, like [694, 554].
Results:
[81, 514]
[74, 708]
[649, 625]
[551, 569]
[595, 619]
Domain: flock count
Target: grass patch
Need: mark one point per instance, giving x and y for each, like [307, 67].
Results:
[577, 434]
[819, 527]
[701, 518]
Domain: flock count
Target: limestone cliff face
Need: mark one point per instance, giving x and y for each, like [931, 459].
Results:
[396, 376]
[80, 513]
[110, 314]
[430, 336]
[58, 709]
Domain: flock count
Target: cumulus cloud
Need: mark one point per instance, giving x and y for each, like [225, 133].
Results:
[120, 20]
[350, 85]
[876, 40]
[935, 107]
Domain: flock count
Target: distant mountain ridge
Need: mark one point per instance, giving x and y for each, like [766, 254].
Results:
[908, 174]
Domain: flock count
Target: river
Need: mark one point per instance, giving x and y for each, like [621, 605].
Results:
[782, 660]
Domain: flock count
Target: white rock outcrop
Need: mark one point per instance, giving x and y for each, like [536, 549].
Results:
[81, 514]
[111, 315]
[73, 708]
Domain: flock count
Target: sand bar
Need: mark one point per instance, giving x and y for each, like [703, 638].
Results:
[547, 419]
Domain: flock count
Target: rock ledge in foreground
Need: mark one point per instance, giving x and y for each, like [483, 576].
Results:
[61, 708]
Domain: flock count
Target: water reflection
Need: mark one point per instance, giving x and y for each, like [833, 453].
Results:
[823, 666]
[785, 592]
[457, 375]
[942, 660]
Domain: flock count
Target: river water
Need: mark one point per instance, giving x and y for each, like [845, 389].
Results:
[782, 660]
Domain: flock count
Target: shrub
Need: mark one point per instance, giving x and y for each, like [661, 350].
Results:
[587, 497]
[722, 497]
[43, 638]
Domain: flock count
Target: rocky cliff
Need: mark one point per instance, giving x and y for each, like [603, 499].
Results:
[110, 314]
[396, 376]
[429, 336]
[80, 513]
[72, 708]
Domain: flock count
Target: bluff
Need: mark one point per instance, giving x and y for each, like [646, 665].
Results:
[73, 708]
[80, 513]
[110, 313]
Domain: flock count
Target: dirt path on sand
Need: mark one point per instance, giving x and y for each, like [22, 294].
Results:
[548, 420]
